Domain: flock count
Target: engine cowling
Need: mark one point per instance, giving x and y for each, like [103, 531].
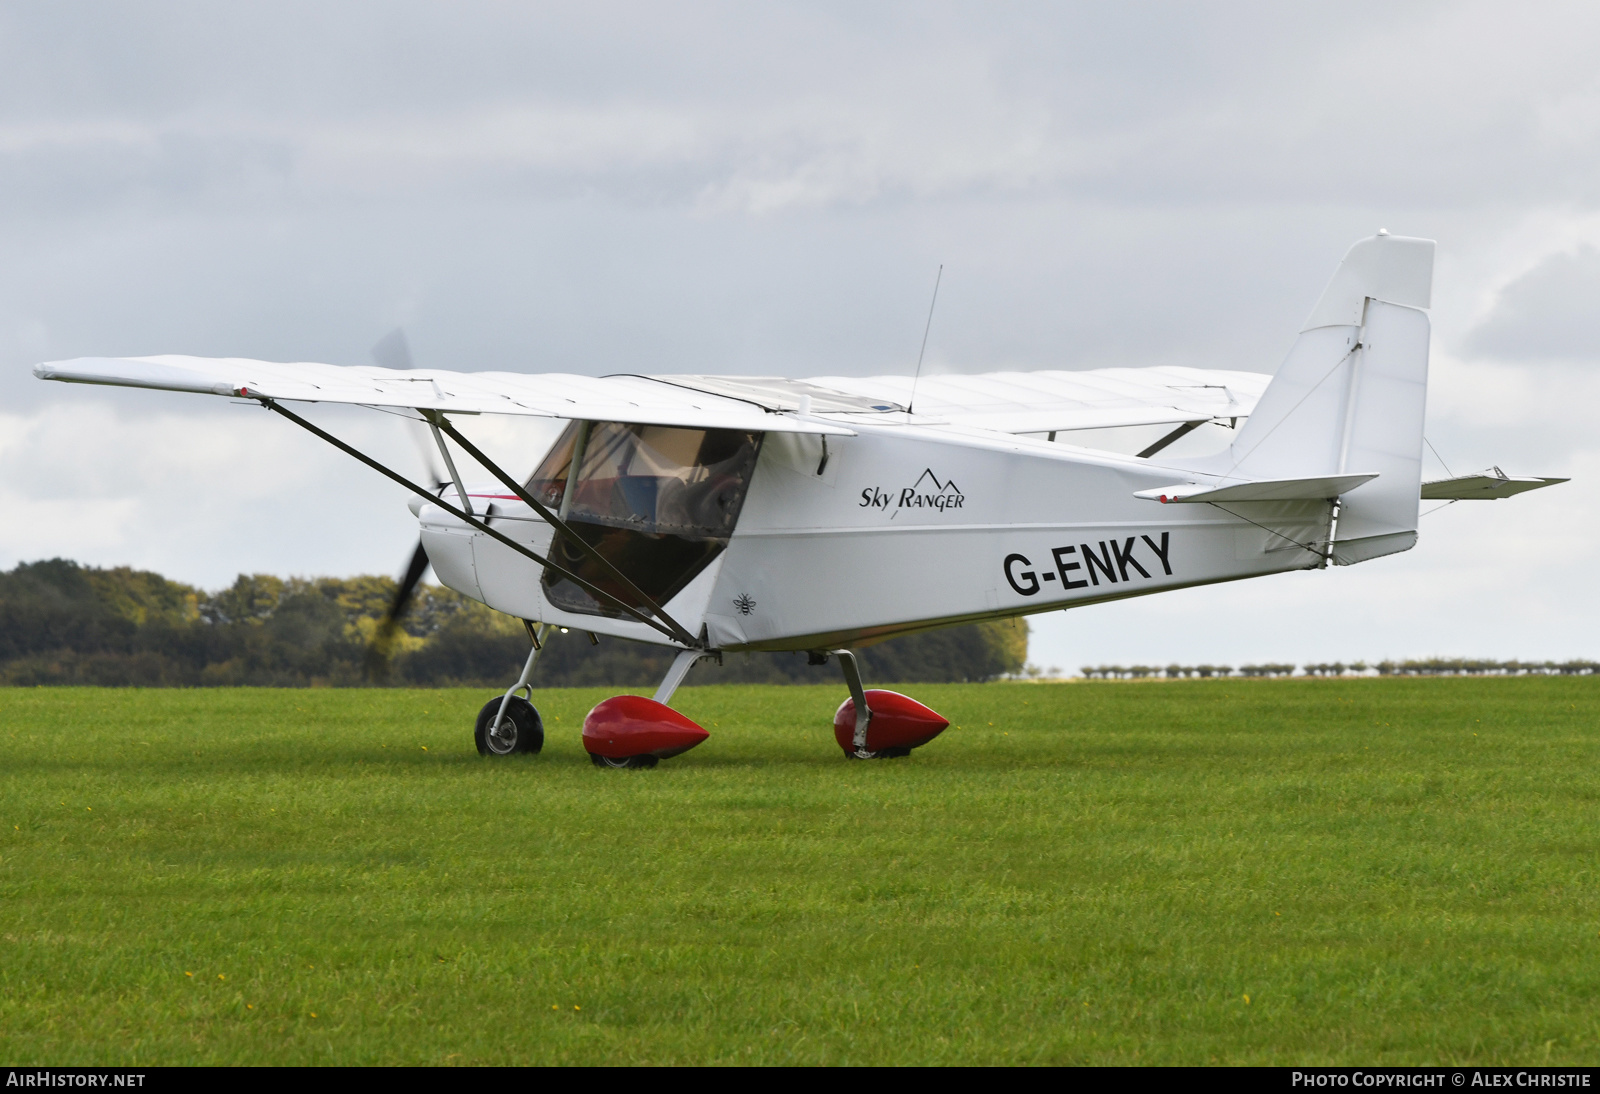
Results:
[631, 725]
[899, 724]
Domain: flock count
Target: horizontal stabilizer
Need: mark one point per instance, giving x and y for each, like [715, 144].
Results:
[1487, 486]
[1322, 488]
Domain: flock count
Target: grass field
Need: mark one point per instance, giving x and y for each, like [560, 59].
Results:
[1363, 871]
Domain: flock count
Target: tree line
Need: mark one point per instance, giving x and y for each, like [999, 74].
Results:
[64, 623]
[1433, 666]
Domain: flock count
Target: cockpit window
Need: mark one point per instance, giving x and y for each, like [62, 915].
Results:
[659, 503]
[657, 479]
[549, 482]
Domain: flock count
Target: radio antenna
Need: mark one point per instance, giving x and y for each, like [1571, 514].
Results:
[925, 329]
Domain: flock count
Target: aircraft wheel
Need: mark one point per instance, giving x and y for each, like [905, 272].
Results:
[882, 754]
[626, 761]
[521, 730]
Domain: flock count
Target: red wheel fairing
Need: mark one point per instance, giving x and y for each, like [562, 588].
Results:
[631, 725]
[898, 721]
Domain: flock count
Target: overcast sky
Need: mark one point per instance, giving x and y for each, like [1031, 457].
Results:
[753, 188]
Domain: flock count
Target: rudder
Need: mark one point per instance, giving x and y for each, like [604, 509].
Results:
[1351, 396]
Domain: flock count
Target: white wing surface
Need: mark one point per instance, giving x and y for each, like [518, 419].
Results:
[546, 395]
[1013, 402]
[1034, 402]
[1008, 402]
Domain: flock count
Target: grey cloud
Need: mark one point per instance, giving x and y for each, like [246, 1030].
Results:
[1550, 313]
[744, 109]
[728, 187]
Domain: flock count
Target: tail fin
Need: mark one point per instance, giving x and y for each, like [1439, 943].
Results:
[1349, 399]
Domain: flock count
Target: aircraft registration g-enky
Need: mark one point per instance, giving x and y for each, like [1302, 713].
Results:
[716, 514]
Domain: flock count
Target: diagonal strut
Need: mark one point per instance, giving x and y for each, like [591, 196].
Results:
[473, 521]
[437, 418]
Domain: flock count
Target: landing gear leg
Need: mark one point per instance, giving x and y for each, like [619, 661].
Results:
[632, 731]
[681, 664]
[511, 723]
[891, 726]
[852, 679]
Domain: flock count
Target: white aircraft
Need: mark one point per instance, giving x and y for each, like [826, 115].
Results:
[727, 513]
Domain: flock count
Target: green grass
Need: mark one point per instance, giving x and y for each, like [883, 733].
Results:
[1392, 871]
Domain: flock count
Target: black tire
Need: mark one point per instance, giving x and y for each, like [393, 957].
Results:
[521, 731]
[894, 753]
[626, 761]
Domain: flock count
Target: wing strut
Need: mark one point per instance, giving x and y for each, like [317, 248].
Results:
[679, 636]
[1168, 438]
[438, 419]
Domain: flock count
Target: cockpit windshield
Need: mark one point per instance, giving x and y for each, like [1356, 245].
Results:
[658, 502]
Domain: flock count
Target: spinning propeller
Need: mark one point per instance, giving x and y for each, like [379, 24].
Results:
[394, 351]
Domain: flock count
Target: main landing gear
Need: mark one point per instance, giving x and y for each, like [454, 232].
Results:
[630, 731]
[623, 731]
[878, 725]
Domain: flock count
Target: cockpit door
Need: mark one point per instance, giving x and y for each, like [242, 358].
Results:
[657, 502]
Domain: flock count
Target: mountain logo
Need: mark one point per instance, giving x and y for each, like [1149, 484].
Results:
[928, 492]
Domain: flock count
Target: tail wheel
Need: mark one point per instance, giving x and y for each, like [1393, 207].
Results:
[520, 730]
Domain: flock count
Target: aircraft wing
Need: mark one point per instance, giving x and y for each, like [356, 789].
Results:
[1013, 402]
[1037, 402]
[1008, 402]
[548, 395]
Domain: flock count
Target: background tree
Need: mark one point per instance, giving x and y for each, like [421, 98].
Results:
[62, 623]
